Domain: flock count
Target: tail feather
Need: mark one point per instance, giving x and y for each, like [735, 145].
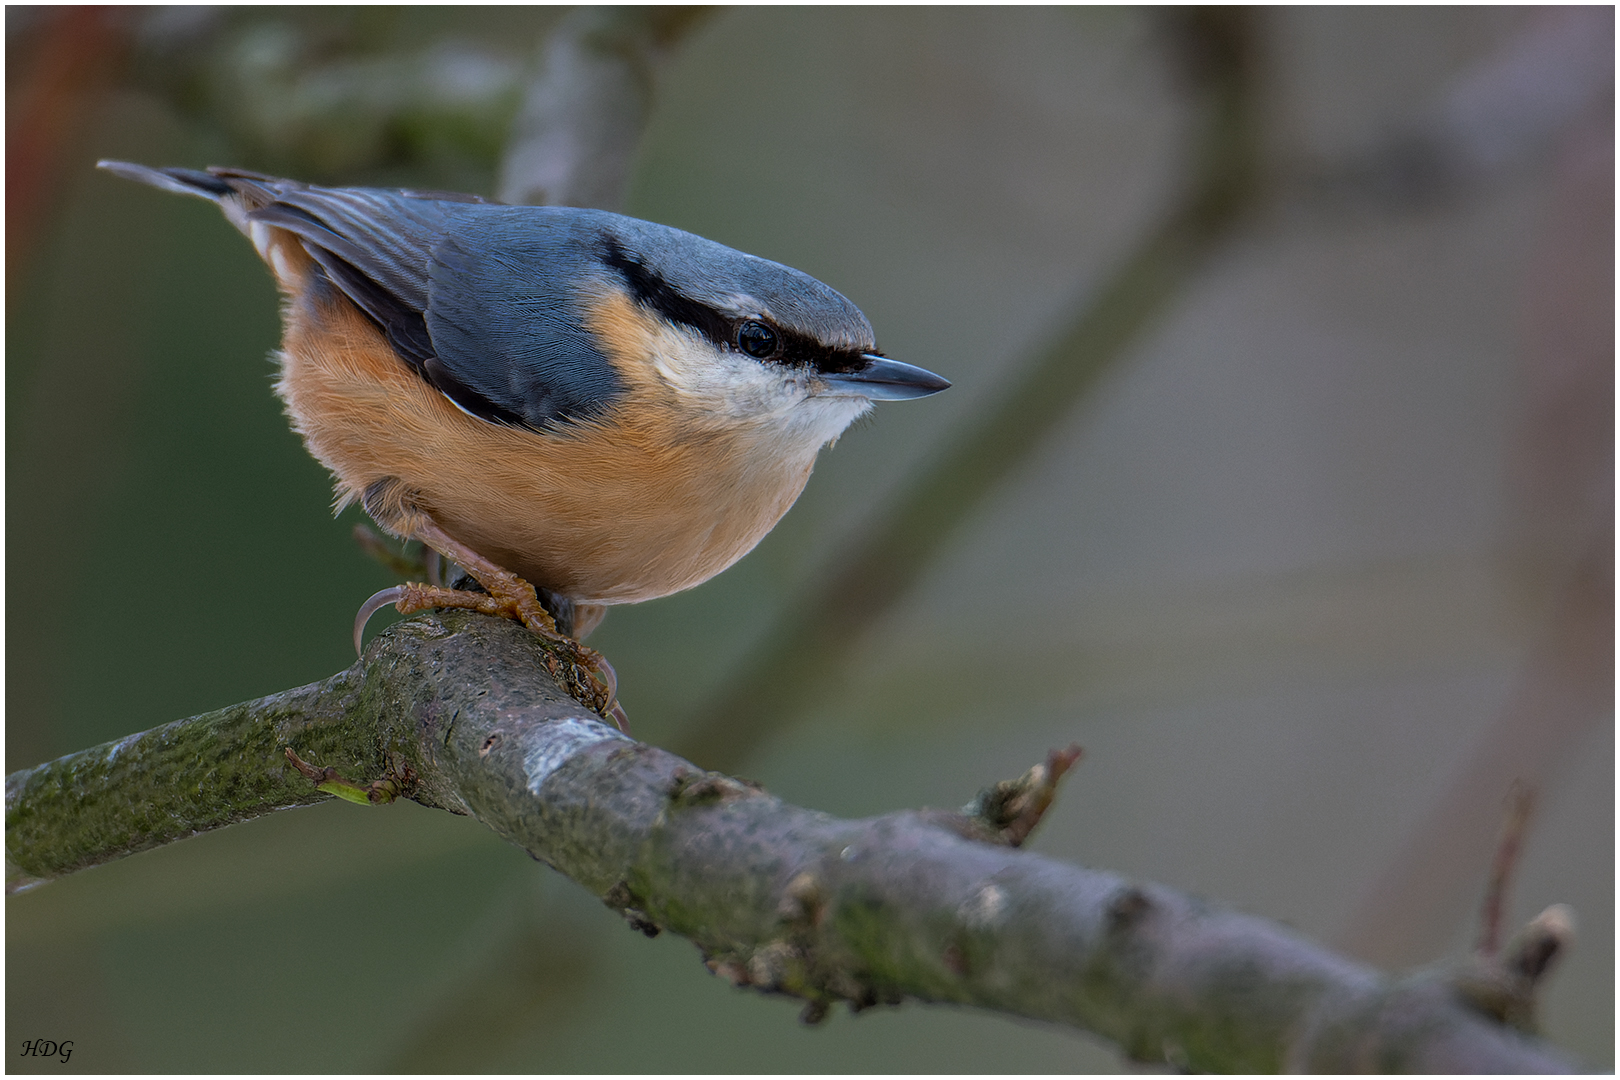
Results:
[179, 181]
[237, 192]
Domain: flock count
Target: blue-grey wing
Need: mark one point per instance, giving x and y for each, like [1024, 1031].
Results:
[482, 300]
[505, 314]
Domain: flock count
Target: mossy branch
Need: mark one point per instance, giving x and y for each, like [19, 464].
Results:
[454, 710]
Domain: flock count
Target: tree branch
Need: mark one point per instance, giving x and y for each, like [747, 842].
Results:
[575, 139]
[455, 711]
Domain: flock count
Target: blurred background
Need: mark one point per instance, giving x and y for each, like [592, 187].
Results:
[1315, 562]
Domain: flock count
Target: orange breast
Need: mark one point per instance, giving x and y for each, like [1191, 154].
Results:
[627, 508]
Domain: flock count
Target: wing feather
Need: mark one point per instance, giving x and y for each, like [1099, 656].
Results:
[464, 292]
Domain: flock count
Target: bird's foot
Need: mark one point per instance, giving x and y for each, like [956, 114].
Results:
[592, 678]
[582, 670]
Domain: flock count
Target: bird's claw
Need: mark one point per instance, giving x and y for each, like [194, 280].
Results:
[603, 672]
[413, 597]
[376, 603]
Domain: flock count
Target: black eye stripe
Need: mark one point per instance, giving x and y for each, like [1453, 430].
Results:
[800, 351]
[652, 292]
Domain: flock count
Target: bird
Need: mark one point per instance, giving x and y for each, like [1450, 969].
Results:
[579, 408]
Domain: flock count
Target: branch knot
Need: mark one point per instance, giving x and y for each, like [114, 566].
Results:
[1012, 808]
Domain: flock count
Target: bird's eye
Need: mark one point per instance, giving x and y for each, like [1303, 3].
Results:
[757, 340]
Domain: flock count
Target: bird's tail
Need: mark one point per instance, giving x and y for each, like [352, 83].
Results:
[180, 181]
[237, 192]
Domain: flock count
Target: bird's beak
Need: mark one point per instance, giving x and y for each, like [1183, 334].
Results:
[883, 379]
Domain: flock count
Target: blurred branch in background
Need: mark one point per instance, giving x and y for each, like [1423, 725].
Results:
[1548, 92]
[76, 55]
[1414, 906]
[355, 94]
[337, 94]
[820, 633]
[575, 139]
[1507, 113]
[454, 711]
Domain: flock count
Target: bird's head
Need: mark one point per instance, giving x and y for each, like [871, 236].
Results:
[737, 339]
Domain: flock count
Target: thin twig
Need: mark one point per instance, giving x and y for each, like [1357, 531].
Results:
[1521, 801]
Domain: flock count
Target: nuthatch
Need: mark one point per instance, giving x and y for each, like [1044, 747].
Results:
[609, 409]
